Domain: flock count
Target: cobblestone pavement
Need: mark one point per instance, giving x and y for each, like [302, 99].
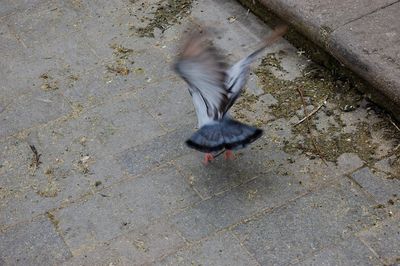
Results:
[89, 84]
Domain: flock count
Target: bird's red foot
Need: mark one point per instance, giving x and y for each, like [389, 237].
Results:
[208, 158]
[229, 155]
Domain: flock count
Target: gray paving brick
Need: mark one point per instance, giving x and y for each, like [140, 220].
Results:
[133, 248]
[221, 175]
[18, 207]
[108, 129]
[12, 6]
[236, 31]
[77, 158]
[267, 191]
[160, 150]
[385, 165]
[9, 67]
[129, 205]
[15, 158]
[348, 162]
[349, 252]
[377, 184]
[317, 220]
[384, 239]
[220, 249]
[41, 41]
[35, 243]
[117, 252]
[170, 103]
[30, 109]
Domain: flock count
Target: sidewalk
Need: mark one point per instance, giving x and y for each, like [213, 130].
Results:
[89, 84]
[362, 35]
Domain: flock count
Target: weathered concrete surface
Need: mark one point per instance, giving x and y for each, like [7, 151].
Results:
[89, 84]
[362, 35]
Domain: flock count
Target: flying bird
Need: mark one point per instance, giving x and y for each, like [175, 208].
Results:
[214, 89]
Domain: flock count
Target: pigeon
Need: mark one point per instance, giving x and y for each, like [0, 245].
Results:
[214, 88]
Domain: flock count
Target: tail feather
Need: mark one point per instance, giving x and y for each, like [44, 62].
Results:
[229, 134]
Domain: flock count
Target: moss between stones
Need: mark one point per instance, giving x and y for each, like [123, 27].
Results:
[167, 13]
[339, 84]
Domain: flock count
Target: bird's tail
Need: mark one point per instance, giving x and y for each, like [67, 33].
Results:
[226, 134]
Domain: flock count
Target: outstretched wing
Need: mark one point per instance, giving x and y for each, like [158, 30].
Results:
[201, 67]
[237, 75]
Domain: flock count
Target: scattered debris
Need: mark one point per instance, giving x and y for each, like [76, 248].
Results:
[121, 70]
[166, 14]
[120, 51]
[139, 244]
[232, 19]
[51, 190]
[120, 66]
[314, 142]
[83, 164]
[348, 108]
[49, 84]
[35, 159]
[83, 140]
[73, 77]
[393, 123]
[313, 112]
[53, 220]
[97, 183]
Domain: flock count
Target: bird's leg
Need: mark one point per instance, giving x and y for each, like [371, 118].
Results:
[208, 157]
[229, 155]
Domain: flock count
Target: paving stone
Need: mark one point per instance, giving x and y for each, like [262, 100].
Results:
[124, 207]
[384, 190]
[220, 249]
[384, 239]
[386, 165]
[141, 247]
[31, 109]
[223, 18]
[12, 6]
[265, 192]
[9, 66]
[115, 253]
[312, 222]
[7, 8]
[105, 24]
[20, 207]
[160, 150]
[15, 160]
[349, 252]
[107, 129]
[35, 243]
[221, 175]
[170, 102]
[348, 162]
[44, 44]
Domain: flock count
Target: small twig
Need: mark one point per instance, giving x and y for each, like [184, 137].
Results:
[312, 113]
[309, 127]
[393, 123]
[36, 157]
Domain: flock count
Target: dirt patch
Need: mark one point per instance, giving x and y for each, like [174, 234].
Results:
[346, 123]
[166, 13]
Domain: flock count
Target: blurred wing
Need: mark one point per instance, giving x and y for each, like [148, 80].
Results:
[200, 66]
[237, 75]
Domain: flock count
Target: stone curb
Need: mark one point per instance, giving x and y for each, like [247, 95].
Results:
[364, 37]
